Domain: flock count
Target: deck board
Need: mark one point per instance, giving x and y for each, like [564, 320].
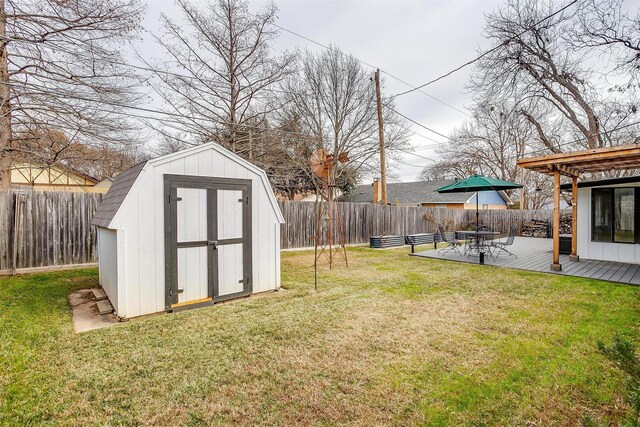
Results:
[535, 254]
[608, 272]
[621, 271]
[635, 279]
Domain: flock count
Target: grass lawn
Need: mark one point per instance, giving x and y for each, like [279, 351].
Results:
[391, 340]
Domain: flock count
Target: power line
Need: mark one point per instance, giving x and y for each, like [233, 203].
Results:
[413, 165]
[156, 71]
[181, 116]
[159, 72]
[573, 141]
[192, 123]
[331, 49]
[583, 138]
[466, 64]
[429, 95]
[426, 147]
[154, 111]
[428, 138]
[414, 154]
[417, 123]
[542, 150]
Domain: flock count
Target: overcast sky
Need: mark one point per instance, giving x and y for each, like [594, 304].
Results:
[412, 40]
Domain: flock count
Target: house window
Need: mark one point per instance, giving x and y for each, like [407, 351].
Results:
[613, 215]
[601, 214]
[623, 225]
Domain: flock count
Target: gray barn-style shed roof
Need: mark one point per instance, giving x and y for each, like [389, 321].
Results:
[116, 194]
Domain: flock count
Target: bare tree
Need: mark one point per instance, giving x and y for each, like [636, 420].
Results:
[170, 142]
[225, 70]
[284, 154]
[334, 99]
[489, 144]
[544, 78]
[59, 69]
[448, 168]
[537, 69]
[605, 23]
[54, 147]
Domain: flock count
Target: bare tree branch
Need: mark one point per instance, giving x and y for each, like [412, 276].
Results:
[58, 71]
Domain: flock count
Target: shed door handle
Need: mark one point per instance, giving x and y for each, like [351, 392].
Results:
[213, 243]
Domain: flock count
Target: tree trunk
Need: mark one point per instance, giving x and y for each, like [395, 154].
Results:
[232, 75]
[5, 110]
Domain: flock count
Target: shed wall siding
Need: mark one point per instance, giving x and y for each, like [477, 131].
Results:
[142, 215]
[618, 252]
[108, 260]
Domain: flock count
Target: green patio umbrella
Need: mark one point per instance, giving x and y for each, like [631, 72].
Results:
[477, 183]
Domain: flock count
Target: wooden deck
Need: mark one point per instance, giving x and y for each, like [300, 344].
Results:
[536, 255]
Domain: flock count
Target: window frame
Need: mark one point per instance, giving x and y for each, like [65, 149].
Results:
[612, 196]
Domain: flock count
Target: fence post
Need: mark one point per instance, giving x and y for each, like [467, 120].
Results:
[16, 230]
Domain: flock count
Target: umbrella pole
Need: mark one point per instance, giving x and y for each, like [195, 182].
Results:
[477, 214]
[480, 251]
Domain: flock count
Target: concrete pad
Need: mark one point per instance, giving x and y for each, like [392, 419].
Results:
[85, 312]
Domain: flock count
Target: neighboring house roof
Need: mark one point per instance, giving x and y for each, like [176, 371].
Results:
[413, 193]
[105, 183]
[115, 196]
[38, 169]
[82, 174]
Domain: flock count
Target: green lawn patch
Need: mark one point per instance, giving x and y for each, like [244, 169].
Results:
[391, 340]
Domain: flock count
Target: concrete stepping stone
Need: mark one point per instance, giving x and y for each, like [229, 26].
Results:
[99, 294]
[104, 306]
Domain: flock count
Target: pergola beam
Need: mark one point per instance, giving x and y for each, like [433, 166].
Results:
[600, 155]
[564, 170]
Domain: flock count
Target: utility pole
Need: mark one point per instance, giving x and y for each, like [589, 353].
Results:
[383, 168]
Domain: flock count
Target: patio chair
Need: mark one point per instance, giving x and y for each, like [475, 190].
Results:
[453, 243]
[502, 246]
[468, 241]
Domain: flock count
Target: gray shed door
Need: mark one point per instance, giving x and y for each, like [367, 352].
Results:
[207, 240]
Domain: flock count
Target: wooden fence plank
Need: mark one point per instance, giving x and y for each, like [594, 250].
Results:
[362, 220]
[51, 228]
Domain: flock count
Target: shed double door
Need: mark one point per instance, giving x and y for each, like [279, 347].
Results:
[207, 240]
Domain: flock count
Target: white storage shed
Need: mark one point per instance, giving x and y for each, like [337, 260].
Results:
[188, 229]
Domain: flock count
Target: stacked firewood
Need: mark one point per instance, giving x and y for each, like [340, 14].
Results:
[565, 223]
[539, 228]
[535, 228]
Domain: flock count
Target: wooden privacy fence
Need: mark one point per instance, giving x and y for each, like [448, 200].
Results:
[40, 229]
[361, 220]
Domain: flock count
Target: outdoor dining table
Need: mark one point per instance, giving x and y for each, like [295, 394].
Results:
[481, 238]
